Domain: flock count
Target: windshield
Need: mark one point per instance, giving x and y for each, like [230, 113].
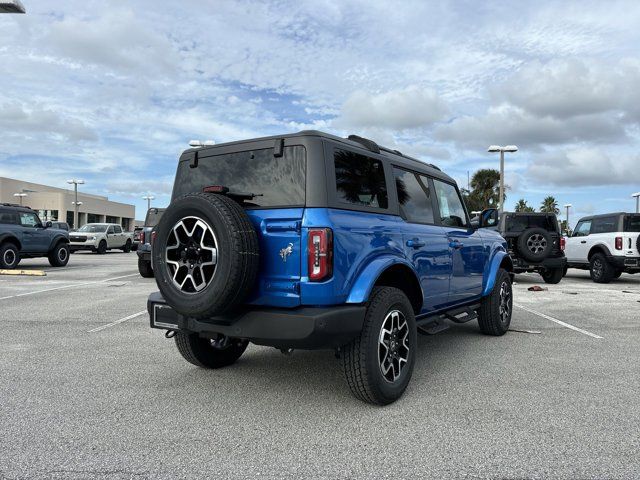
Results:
[632, 223]
[93, 228]
[516, 223]
[153, 217]
[274, 181]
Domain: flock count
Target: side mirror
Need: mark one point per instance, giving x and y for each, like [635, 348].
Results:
[489, 218]
[48, 225]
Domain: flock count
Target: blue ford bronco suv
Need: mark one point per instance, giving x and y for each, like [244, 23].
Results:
[23, 235]
[310, 241]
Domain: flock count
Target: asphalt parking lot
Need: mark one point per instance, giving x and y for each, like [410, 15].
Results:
[88, 390]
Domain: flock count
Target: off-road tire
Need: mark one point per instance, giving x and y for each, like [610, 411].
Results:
[127, 247]
[490, 318]
[553, 275]
[617, 274]
[524, 248]
[102, 247]
[200, 352]
[144, 267]
[360, 360]
[9, 255]
[59, 256]
[237, 255]
[601, 270]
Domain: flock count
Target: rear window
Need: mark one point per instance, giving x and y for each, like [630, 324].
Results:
[360, 180]
[153, 217]
[274, 181]
[519, 223]
[632, 223]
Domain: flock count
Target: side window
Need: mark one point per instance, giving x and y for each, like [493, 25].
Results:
[604, 225]
[28, 219]
[360, 180]
[582, 229]
[118, 229]
[452, 213]
[8, 218]
[414, 196]
[111, 230]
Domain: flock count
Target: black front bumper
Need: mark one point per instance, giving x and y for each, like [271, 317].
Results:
[302, 328]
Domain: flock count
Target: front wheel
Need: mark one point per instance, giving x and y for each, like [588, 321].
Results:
[210, 353]
[378, 364]
[494, 316]
[102, 248]
[553, 275]
[59, 256]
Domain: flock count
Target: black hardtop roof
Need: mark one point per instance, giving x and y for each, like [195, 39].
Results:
[355, 141]
[15, 206]
[528, 214]
[604, 215]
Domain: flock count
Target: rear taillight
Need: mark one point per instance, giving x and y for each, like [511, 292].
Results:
[563, 242]
[320, 253]
[141, 237]
[618, 243]
[153, 237]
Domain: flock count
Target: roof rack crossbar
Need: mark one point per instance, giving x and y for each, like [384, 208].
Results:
[366, 143]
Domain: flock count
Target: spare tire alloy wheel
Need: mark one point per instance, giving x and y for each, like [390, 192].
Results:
[191, 254]
[534, 244]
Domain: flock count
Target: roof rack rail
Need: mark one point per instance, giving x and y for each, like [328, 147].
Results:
[398, 152]
[13, 205]
[365, 142]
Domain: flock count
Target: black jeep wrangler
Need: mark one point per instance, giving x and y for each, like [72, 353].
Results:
[535, 244]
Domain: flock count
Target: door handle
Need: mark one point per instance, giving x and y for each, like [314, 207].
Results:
[583, 241]
[456, 244]
[415, 243]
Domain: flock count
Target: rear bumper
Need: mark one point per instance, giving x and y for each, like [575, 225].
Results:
[627, 264]
[547, 263]
[303, 328]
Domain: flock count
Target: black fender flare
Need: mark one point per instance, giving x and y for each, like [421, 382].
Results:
[10, 237]
[61, 238]
[596, 248]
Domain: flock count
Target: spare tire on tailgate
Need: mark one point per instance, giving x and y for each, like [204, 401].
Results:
[205, 255]
[535, 244]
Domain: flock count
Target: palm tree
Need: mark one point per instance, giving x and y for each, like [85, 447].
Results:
[550, 205]
[522, 206]
[485, 188]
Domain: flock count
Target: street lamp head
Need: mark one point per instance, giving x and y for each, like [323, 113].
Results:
[510, 148]
[76, 203]
[19, 194]
[635, 195]
[498, 148]
[568, 205]
[77, 182]
[494, 149]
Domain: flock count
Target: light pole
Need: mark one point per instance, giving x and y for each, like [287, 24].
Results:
[637, 195]
[11, 6]
[568, 206]
[148, 198]
[495, 149]
[20, 195]
[75, 203]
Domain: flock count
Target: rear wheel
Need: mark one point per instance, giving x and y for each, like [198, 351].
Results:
[59, 256]
[553, 275]
[127, 247]
[102, 248]
[210, 353]
[601, 270]
[378, 364]
[144, 267]
[494, 316]
[9, 256]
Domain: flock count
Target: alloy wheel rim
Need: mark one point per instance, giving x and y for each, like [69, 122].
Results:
[9, 257]
[505, 302]
[62, 254]
[536, 243]
[393, 345]
[597, 268]
[191, 253]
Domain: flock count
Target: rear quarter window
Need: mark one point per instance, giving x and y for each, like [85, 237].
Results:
[360, 180]
[632, 223]
[604, 225]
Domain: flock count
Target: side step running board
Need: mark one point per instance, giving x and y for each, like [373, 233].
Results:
[437, 323]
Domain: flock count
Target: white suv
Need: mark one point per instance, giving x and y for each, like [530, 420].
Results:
[607, 245]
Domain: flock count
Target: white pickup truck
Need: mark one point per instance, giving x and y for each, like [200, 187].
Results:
[606, 245]
[100, 237]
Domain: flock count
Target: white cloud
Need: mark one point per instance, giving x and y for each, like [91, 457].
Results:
[411, 107]
[37, 121]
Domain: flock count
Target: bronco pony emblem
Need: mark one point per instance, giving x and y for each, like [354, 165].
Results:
[285, 252]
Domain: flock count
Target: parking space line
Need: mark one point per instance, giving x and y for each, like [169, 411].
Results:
[102, 327]
[559, 322]
[67, 286]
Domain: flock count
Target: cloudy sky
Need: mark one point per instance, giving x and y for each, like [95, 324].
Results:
[113, 91]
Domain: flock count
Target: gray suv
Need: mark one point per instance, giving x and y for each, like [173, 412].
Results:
[23, 235]
[144, 246]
